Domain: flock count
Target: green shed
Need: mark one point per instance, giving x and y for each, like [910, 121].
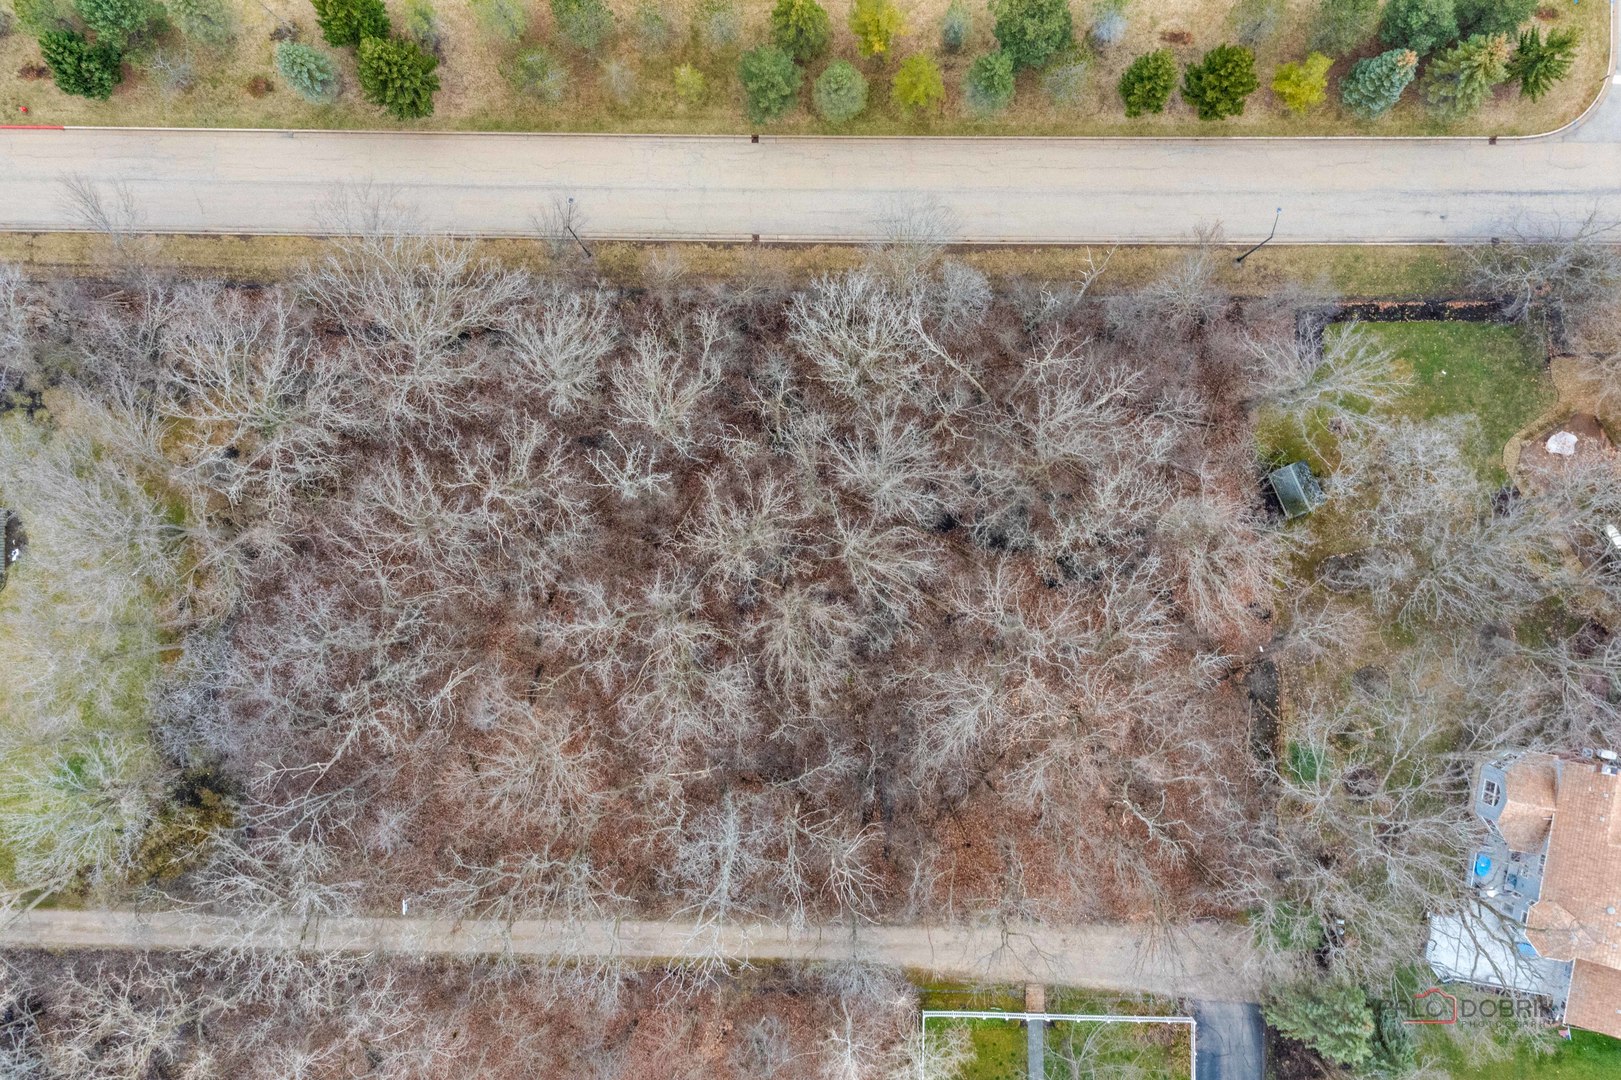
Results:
[1296, 489]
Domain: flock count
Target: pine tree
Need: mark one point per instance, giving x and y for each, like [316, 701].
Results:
[1032, 32]
[348, 22]
[121, 23]
[1147, 84]
[1332, 1018]
[79, 67]
[1461, 78]
[1539, 63]
[399, 76]
[801, 29]
[1375, 84]
[1218, 85]
[770, 81]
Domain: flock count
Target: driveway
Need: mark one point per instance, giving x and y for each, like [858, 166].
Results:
[1231, 1041]
[1203, 961]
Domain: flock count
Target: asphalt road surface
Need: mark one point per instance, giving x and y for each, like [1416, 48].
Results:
[723, 188]
[807, 189]
[1203, 961]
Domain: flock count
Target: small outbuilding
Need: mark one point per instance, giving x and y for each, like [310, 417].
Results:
[1296, 489]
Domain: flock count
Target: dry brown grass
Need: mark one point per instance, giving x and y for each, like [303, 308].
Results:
[476, 96]
[1351, 270]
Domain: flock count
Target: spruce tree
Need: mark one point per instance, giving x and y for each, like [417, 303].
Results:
[988, 87]
[1420, 25]
[348, 22]
[399, 76]
[1334, 1019]
[1539, 63]
[1375, 84]
[311, 74]
[1147, 84]
[1219, 84]
[1460, 79]
[1493, 16]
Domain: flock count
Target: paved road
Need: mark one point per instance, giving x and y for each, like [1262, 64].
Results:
[717, 188]
[1208, 961]
[726, 188]
[1231, 1043]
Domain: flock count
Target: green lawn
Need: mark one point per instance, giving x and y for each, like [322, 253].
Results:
[999, 1049]
[1493, 372]
[1585, 1057]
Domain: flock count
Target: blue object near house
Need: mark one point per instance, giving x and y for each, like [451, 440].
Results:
[1483, 865]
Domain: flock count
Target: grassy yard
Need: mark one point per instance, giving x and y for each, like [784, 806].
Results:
[80, 640]
[628, 85]
[1492, 372]
[1585, 1057]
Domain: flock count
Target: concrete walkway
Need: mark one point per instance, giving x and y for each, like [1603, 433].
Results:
[1207, 961]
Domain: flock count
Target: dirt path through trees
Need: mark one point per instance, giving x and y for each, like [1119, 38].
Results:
[1205, 960]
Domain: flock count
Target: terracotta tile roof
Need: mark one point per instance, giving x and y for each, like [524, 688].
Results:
[1579, 914]
[1595, 999]
[1529, 802]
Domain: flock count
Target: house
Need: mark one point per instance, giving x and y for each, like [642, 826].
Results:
[1548, 887]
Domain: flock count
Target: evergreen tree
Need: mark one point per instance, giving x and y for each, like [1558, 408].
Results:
[40, 17]
[955, 27]
[1219, 84]
[918, 84]
[1492, 16]
[1334, 1019]
[1032, 32]
[80, 68]
[1420, 25]
[988, 86]
[399, 76]
[1304, 85]
[1376, 83]
[312, 75]
[1147, 84]
[207, 21]
[876, 23]
[770, 81]
[840, 93]
[1539, 63]
[801, 29]
[1460, 79]
[347, 22]
[120, 23]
